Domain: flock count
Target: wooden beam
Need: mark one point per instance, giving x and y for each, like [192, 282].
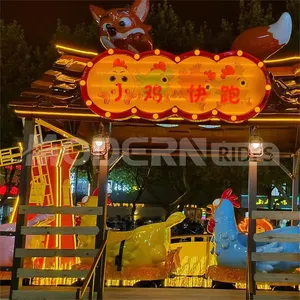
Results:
[277, 278]
[56, 252]
[84, 230]
[276, 215]
[44, 294]
[30, 273]
[277, 237]
[24, 209]
[292, 257]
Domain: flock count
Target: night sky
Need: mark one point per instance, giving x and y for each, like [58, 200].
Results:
[38, 18]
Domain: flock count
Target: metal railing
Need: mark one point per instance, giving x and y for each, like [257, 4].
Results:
[191, 238]
[91, 275]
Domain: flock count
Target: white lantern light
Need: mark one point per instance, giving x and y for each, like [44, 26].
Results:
[100, 143]
[256, 146]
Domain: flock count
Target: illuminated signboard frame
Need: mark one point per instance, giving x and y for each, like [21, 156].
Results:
[174, 111]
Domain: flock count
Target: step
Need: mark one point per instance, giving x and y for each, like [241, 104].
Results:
[56, 252]
[24, 209]
[30, 273]
[277, 278]
[43, 294]
[44, 230]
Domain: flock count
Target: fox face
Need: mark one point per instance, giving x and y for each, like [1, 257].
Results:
[124, 28]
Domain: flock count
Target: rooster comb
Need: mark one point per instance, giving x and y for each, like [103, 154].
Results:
[119, 63]
[227, 194]
[159, 66]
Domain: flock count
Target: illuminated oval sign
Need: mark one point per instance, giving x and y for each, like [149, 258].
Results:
[197, 86]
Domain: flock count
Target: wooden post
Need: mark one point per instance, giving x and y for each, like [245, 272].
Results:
[251, 245]
[101, 220]
[24, 194]
[295, 185]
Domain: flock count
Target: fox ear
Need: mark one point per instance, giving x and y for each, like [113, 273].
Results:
[97, 12]
[141, 9]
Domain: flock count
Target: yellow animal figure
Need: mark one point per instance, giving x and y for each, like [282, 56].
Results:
[123, 84]
[146, 246]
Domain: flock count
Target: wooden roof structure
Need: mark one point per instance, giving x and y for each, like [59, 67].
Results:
[56, 97]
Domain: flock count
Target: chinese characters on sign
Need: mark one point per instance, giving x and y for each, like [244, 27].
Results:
[231, 86]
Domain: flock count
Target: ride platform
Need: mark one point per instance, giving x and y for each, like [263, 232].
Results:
[170, 293]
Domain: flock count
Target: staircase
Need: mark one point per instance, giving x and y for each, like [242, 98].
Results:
[40, 292]
[10, 156]
[41, 192]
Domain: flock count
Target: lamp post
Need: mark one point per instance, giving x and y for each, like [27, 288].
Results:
[100, 148]
[255, 153]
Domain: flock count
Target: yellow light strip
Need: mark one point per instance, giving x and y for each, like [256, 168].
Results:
[14, 210]
[275, 120]
[57, 204]
[61, 47]
[80, 51]
[43, 113]
[290, 58]
[280, 119]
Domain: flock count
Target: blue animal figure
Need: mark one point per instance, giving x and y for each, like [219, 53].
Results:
[230, 246]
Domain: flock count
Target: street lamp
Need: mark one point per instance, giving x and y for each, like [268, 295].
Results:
[255, 147]
[255, 152]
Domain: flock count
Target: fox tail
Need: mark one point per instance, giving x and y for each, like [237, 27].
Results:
[264, 41]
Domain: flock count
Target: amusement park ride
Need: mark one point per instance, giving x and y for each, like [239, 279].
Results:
[130, 81]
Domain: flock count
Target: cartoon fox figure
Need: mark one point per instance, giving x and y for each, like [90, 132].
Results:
[123, 28]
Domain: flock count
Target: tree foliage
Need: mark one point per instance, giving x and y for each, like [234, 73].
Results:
[293, 7]
[18, 65]
[252, 14]
[169, 32]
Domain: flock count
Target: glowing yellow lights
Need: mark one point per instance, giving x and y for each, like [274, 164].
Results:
[275, 120]
[107, 114]
[89, 64]
[216, 57]
[110, 51]
[260, 64]
[290, 58]
[82, 82]
[240, 53]
[46, 113]
[233, 118]
[197, 52]
[134, 110]
[92, 116]
[174, 110]
[156, 51]
[20, 146]
[194, 117]
[257, 109]
[61, 47]
[177, 59]
[12, 217]
[155, 116]
[268, 87]
[88, 103]
[136, 56]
